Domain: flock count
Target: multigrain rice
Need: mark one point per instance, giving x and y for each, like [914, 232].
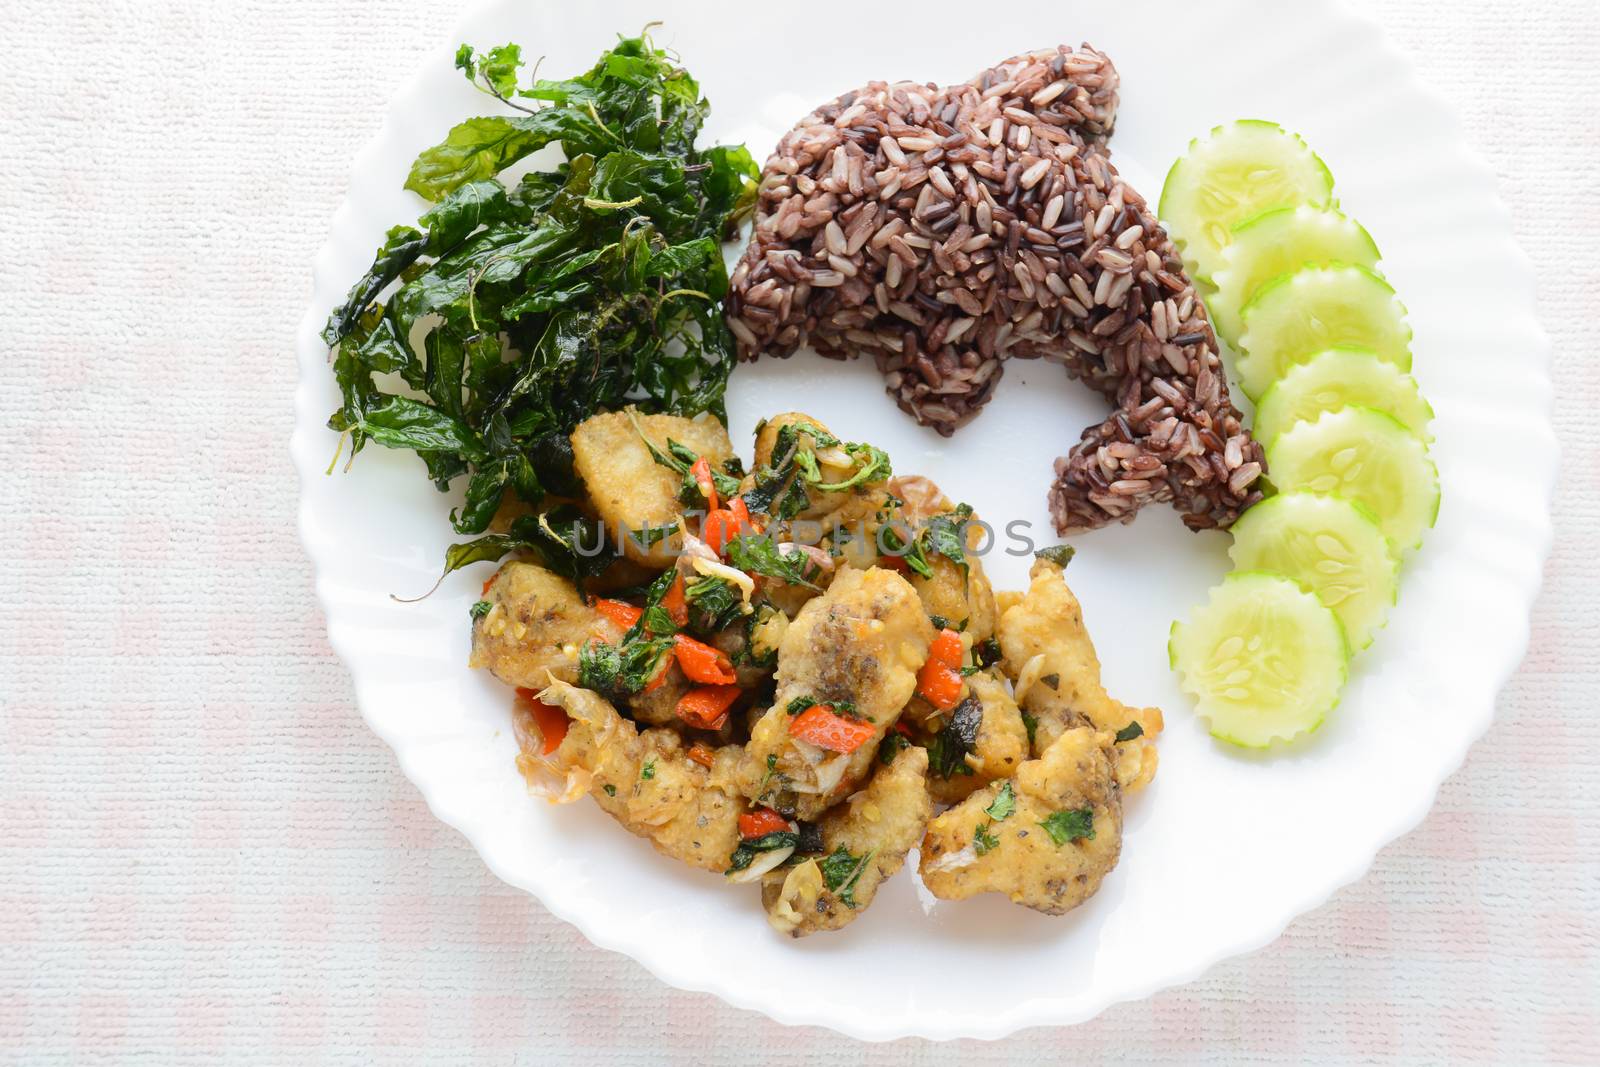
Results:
[944, 231]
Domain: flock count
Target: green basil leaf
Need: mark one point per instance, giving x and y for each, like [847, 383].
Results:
[483, 147]
[405, 423]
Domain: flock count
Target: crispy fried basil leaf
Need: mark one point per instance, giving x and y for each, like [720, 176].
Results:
[759, 554]
[947, 755]
[399, 250]
[620, 670]
[746, 852]
[714, 603]
[1060, 555]
[562, 539]
[841, 870]
[592, 284]
[483, 147]
[405, 423]
[946, 534]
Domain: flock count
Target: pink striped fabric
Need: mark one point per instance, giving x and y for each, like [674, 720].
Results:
[205, 856]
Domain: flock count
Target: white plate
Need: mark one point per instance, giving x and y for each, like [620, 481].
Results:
[1226, 848]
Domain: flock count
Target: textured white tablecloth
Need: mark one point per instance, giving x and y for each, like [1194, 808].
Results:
[203, 852]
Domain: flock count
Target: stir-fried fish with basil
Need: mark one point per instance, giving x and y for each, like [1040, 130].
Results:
[779, 674]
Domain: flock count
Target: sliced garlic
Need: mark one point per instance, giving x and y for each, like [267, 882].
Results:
[1028, 676]
[762, 864]
[711, 569]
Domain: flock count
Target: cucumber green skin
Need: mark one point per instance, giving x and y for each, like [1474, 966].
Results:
[1343, 666]
[1167, 206]
[1255, 391]
[1262, 512]
[1227, 316]
[1264, 428]
[1397, 424]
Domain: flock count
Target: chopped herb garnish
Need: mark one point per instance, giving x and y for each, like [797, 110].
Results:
[611, 790]
[759, 498]
[806, 461]
[987, 652]
[746, 851]
[657, 620]
[1130, 731]
[772, 769]
[872, 465]
[946, 535]
[1060, 555]
[758, 554]
[648, 771]
[780, 488]
[1070, 825]
[1030, 724]
[480, 609]
[649, 535]
[714, 603]
[1004, 804]
[983, 841]
[1052, 680]
[841, 871]
[680, 459]
[939, 622]
[794, 500]
[892, 744]
[767, 657]
[623, 669]
[892, 543]
[845, 708]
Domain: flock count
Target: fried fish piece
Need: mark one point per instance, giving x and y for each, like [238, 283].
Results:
[864, 842]
[1051, 660]
[981, 740]
[536, 622]
[1046, 838]
[956, 593]
[643, 779]
[862, 641]
[628, 488]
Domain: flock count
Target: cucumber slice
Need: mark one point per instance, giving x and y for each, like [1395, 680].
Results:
[1264, 660]
[1279, 242]
[1235, 173]
[1293, 317]
[1365, 456]
[1331, 546]
[1338, 378]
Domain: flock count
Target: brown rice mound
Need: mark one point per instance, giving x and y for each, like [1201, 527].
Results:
[947, 230]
